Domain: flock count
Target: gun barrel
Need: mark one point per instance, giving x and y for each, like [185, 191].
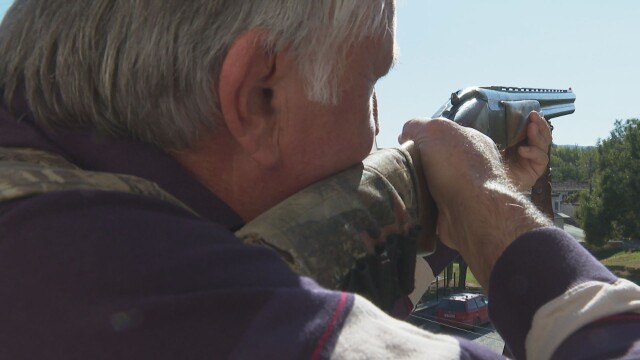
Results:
[557, 110]
[553, 102]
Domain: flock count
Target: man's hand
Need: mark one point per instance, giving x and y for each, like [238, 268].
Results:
[526, 163]
[480, 213]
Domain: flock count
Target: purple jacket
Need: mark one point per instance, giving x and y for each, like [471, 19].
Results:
[102, 275]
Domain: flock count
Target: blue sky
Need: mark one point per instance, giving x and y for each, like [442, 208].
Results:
[590, 46]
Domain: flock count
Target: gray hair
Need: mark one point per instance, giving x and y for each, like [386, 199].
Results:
[148, 69]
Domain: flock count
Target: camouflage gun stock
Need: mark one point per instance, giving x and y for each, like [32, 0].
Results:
[501, 112]
[359, 230]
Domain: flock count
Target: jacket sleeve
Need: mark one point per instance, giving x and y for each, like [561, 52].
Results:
[550, 296]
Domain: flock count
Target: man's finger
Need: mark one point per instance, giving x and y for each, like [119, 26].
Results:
[412, 129]
[543, 136]
[535, 136]
[534, 154]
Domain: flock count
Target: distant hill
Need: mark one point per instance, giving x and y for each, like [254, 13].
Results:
[575, 146]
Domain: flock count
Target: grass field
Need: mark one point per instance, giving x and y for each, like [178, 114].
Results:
[623, 263]
[471, 280]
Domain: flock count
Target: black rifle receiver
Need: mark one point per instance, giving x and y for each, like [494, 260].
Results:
[501, 112]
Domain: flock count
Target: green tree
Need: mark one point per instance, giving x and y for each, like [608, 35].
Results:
[612, 208]
[571, 163]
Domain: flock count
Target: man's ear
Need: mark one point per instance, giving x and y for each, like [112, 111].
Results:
[246, 88]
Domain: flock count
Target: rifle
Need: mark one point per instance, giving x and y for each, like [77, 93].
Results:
[361, 230]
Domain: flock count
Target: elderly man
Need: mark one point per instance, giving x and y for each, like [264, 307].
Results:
[159, 127]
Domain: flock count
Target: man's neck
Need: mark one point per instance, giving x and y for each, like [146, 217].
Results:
[233, 176]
